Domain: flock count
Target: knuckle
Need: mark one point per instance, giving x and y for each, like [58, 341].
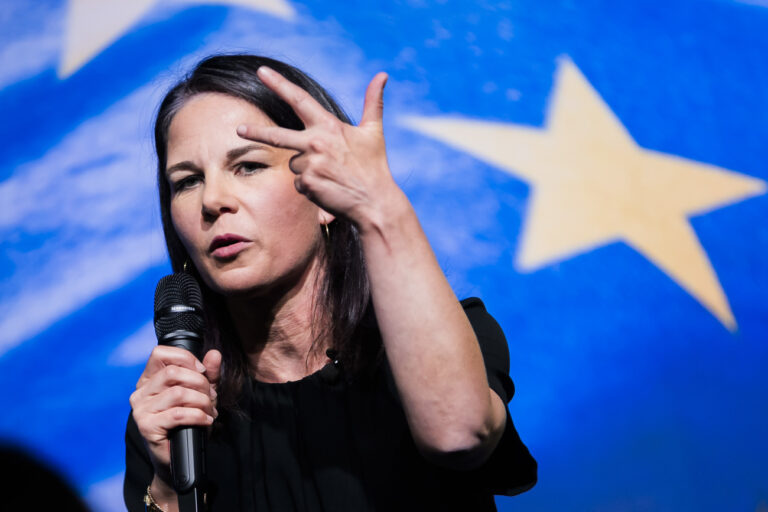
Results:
[177, 394]
[319, 161]
[273, 138]
[312, 160]
[177, 414]
[299, 99]
[172, 373]
[317, 144]
[189, 358]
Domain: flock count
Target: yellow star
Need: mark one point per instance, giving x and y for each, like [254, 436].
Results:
[591, 185]
[92, 25]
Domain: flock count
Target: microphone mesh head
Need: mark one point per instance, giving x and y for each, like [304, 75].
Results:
[178, 290]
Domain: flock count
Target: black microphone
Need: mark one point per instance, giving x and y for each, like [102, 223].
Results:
[179, 323]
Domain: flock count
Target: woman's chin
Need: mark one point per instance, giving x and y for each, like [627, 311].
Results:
[239, 289]
[250, 283]
[230, 283]
[245, 285]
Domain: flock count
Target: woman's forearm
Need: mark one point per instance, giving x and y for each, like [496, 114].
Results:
[434, 354]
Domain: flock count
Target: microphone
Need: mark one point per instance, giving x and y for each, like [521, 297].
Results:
[179, 323]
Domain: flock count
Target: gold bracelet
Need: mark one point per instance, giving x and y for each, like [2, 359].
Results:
[150, 505]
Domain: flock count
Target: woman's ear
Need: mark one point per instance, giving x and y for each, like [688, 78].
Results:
[324, 218]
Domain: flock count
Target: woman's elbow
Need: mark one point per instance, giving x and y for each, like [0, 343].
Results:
[462, 448]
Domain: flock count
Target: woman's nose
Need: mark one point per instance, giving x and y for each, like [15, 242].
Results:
[218, 197]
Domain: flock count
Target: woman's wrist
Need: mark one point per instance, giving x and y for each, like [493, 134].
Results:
[388, 211]
[164, 495]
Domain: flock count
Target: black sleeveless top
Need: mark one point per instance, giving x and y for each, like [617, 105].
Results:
[326, 443]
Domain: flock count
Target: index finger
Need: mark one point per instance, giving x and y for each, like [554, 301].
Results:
[163, 355]
[305, 106]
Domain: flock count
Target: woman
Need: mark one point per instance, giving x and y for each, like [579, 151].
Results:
[341, 372]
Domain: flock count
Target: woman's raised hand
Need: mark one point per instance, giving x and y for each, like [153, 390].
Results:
[340, 167]
[174, 390]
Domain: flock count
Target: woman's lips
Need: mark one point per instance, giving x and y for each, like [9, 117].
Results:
[227, 246]
[229, 251]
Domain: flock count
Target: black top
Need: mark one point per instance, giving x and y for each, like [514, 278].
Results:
[324, 444]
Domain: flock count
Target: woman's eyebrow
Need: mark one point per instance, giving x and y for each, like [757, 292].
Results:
[186, 165]
[232, 154]
[236, 153]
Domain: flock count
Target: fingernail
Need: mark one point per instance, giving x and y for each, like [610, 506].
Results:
[213, 394]
[199, 366]
[242, 129]
[265, 70]
[215, 413]
[209, 418]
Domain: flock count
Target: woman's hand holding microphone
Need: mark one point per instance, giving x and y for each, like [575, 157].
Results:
[174, 390]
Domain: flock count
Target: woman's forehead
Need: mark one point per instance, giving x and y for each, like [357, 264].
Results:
[213, 115]
[215, 107]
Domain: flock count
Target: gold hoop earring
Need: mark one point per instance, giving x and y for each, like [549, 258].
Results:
[185, 268]
[327, 233]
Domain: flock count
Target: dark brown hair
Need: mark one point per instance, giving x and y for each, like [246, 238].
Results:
[344, 294]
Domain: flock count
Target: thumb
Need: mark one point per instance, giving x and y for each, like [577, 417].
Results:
[373, 110]
[212, 363]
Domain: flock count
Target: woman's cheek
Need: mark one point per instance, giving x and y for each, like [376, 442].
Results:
[183, 225]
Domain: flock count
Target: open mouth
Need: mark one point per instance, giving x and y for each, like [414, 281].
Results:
[226, 246]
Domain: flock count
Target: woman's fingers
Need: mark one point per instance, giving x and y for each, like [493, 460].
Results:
[305, 106]
[275, 136]
[156, 427]
[179, 375]
[212, 363]
[175, 390]
[183, 416]
[339, 167]
[163, 356]
[373, 109]
[171, 376]
[175, 406]
[178, 396]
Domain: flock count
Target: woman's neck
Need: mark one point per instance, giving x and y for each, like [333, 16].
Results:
[278, 332]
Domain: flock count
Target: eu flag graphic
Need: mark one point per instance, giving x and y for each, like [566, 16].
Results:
[595, 171]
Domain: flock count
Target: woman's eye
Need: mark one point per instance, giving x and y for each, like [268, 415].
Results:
[186, 182]
[250, 167]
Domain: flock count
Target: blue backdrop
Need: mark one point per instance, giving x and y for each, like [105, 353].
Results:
[594, 170]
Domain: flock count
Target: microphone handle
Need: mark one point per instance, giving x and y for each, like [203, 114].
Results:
[187, 468]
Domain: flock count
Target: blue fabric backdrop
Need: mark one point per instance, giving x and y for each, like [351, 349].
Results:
[594, 170]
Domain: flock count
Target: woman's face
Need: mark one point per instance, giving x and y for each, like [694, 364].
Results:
[233, 202]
